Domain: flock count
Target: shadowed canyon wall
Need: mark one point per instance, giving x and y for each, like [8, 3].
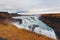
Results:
[52, 20]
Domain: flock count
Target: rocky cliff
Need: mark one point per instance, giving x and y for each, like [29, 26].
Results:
[52, 20]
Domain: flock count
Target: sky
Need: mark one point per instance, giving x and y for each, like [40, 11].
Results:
[31, 5]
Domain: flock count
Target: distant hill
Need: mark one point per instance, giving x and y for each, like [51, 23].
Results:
[6, 15]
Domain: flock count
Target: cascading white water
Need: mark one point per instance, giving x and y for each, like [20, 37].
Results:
[39, 28]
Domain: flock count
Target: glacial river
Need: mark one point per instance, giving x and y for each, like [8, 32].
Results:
[32, 23]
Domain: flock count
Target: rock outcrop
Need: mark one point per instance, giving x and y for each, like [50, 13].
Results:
[52, 20]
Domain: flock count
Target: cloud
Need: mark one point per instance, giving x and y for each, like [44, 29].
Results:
[46, 10]
[28, 5]
[18, 4]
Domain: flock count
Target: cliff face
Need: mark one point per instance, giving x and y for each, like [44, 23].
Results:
[10, 32]
[52, 20]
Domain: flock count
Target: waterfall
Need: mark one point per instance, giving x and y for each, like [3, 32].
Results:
[32, 23]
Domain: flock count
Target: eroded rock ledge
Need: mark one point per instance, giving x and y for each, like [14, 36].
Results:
[52, 20]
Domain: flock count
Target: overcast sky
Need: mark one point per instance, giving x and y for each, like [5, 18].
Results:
[31, 5]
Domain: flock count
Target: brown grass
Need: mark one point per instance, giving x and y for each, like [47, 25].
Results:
[10, 32]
